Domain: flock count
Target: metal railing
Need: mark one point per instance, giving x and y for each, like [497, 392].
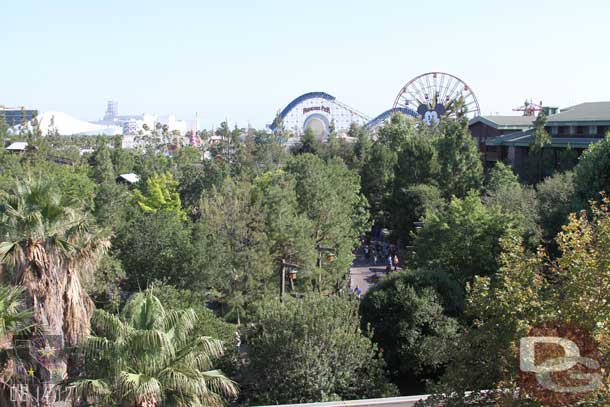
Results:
[406, 401]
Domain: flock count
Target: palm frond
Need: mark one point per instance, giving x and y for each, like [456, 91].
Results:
[91, 390]
[144, 311]
[214, 381]
[139, 387]
[180, 323]
[150, 341]
[14, 317]
[108, 324]
[6, 249]
[209, 346]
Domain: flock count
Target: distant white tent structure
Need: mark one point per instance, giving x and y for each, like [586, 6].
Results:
[66, 125]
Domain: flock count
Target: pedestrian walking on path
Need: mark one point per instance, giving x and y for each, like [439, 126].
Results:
[237, 341]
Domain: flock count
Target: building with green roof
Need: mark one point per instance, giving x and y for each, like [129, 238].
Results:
[508, 138]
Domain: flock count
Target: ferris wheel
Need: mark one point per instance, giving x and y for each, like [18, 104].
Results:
[437, 94]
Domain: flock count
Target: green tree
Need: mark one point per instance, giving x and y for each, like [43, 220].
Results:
[268, 153]
[148, 355]
[332, 148]
[499, 177]
[122, 160]
[503, 190]
[289, 231]
[417, 162]
[463, 238]
[329, 195]
[161, 194]
[113, 205]
[461, 169]
[592, 174]
[414, 188]
[377, 180]
[195, 180]
[105, 286]
[395, 133]
[556, 199]
[279, 129]
[234, 248]
[103, 170]
[409, 321]
[150, 163]
[568, 158]
[309, 143]
[3, 129]
[312, 350]
[362, 146]
[156, 247]
[410, 204]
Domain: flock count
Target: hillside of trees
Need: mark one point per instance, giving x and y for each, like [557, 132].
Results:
[167, 291]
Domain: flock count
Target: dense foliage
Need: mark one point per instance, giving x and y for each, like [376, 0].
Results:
[312, 350]
[408, 312]
[191, 255]
[531, 289]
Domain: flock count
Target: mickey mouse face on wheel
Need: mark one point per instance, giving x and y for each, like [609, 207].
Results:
[431, 116]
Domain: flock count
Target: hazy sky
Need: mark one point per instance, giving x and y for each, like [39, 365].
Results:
[244, 60]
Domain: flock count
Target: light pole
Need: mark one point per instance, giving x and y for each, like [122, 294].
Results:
[331, 251]
[284, 265]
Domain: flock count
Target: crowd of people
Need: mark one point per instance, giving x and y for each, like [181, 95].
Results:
[376, 252]
[381, 253]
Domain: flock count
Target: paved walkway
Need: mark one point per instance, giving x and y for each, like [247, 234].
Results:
[364, 274]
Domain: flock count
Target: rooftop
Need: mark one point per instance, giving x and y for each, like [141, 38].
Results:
[130, 178]
[505, 122]
[584, 112]
[3, 107]
[525, 138]
[18, 146]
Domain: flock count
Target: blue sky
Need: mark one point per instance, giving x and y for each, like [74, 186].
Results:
[244, 60]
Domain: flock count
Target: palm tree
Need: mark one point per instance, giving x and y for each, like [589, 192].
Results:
[14, 317]
[149, 356]
[15, 320]
[47, 246]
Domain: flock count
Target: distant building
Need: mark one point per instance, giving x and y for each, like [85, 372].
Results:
[131, 127]
[112, 110]
[135, 124]
[485, 128]
[575, 127]
[14, 116]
